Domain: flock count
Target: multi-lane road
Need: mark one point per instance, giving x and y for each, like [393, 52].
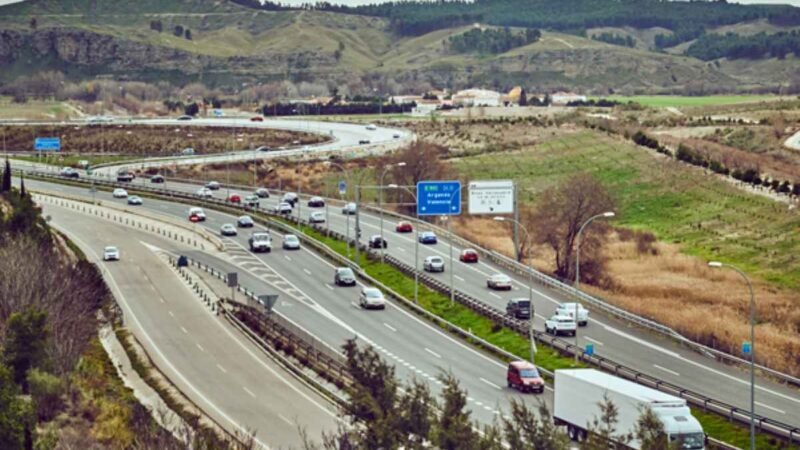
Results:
[305, 282]
[209, 361]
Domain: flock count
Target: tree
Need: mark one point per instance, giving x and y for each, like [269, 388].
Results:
[6, 185]
[187, 33]
[26, 338]
[177, 31]
[46, 390]
[423, 161]
[454, 430]
[649, 431]
[22, 185]
[524, 430]
[156, 25]
[33, 23]
[373, 398]
[14, 413]
[603, 429]
[559, 215]
[523, 97]
[416, 410]
[191, 109]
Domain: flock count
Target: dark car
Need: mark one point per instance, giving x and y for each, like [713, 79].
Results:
[316, 202]
[123, 176]
[427, 237]
[245, 222]
[256, 119]
[377, 242]
[262, 193]
[363, 141]
[184, 118]
[524, 376]
[519, 308]
[157, 179]
[344, 276]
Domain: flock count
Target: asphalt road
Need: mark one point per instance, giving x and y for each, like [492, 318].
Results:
[222, 372]
[648, 353]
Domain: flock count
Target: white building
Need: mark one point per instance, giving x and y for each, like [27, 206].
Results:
[478, 97]
[562, 98]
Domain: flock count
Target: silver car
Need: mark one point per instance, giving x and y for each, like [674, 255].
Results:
[371, 298]
[433, 264]
[291, 242]
[134, 200]
[227, 230]
[111, 253]
[349, 209]
[499, 282]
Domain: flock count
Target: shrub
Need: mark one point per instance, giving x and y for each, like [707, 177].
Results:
[46, 390]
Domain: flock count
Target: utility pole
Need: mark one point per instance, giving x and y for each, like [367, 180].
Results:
[358, 228]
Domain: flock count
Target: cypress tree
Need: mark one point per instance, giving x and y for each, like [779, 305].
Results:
[22, 186]
[6, 187]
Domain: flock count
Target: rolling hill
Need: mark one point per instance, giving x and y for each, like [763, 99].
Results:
[227, 44]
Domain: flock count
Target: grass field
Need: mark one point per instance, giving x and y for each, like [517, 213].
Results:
[35, 109]
[666, 101]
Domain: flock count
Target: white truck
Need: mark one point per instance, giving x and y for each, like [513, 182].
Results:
[579, 391]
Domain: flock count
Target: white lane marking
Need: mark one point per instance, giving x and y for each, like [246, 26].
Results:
[666, 370]
[280, 416]
[184, 330]
[287, 257]
[458, 277]
[161, 299]
[221, 368]
[592, 340]
[401, 249]
[433, 353]
[329, 286]
[354, 304]
[490, 383]
[249, 392]
[308, 272]
[170, 314]
[126, 305]
[487, 407]
[495, 295]
[200, 347]
[390, 327]
[770, 407]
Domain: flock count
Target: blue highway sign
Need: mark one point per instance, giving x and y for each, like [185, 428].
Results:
[439, 198]
[47, 144]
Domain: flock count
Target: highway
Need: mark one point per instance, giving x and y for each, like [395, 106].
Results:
[208, 360]
[650, 354]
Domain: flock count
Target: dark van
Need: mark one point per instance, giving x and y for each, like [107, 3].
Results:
[519, 308]
[525, 377]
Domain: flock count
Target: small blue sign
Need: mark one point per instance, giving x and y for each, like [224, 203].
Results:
[48, 144]
[218, 113]
[342, 188]
[439, 198]
[746, 348]
[589, 350]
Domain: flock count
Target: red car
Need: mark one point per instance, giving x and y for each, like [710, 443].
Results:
[468, 256]
[256, 119]
[234, 198]
[524, 376]
[194, 218]
[404, 227]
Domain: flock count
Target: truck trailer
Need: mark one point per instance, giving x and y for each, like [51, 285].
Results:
[578, 393]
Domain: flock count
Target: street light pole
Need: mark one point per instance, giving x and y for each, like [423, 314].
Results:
[380, 198]
[716, 264]
[416, 242]
[530, 282]
[607, 214]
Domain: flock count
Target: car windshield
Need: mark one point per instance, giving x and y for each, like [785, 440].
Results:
[436, 260]
[373, 293]
[245, 219]
[260, 237]
[524, 304]
[529, 373]
[346, 273]
[690, 440]
[111, 249]
[291, 239]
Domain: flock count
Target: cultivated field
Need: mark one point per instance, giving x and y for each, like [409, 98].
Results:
[685, 101]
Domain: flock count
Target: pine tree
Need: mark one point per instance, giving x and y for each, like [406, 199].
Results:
[603, 429]
[454, 429]
[6, 186]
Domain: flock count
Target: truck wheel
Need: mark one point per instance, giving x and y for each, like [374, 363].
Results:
[572, 432]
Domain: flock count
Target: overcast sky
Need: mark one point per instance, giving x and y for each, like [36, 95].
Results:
[363, 2]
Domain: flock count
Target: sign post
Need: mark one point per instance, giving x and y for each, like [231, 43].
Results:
[268, 302]
[233, 282]
[438, 198]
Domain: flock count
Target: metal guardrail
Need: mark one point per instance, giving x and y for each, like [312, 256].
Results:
[786, 431]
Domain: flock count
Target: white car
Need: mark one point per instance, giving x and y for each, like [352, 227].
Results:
[227, 230]
[213, 185]
[349, 209]
[204, 193]
[111, 253]
[568, 309]
[433, 264]
[560, 325]
[499, 282]
[120, 193]
[291, 242]
[197, 214]
[371, 298]
[372, 127]
[283, 208]
[134, 200]
[317, 217]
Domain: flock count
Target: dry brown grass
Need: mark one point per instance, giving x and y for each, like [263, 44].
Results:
[706, 305]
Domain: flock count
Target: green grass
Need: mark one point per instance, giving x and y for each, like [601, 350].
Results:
[664, 101]
[709, 218]
[73, 160]
[714, 425]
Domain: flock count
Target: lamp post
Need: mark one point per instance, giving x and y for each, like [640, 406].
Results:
[530, 281]
[416, 243]
[607, 214]
[380, 198]
[752, 355]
